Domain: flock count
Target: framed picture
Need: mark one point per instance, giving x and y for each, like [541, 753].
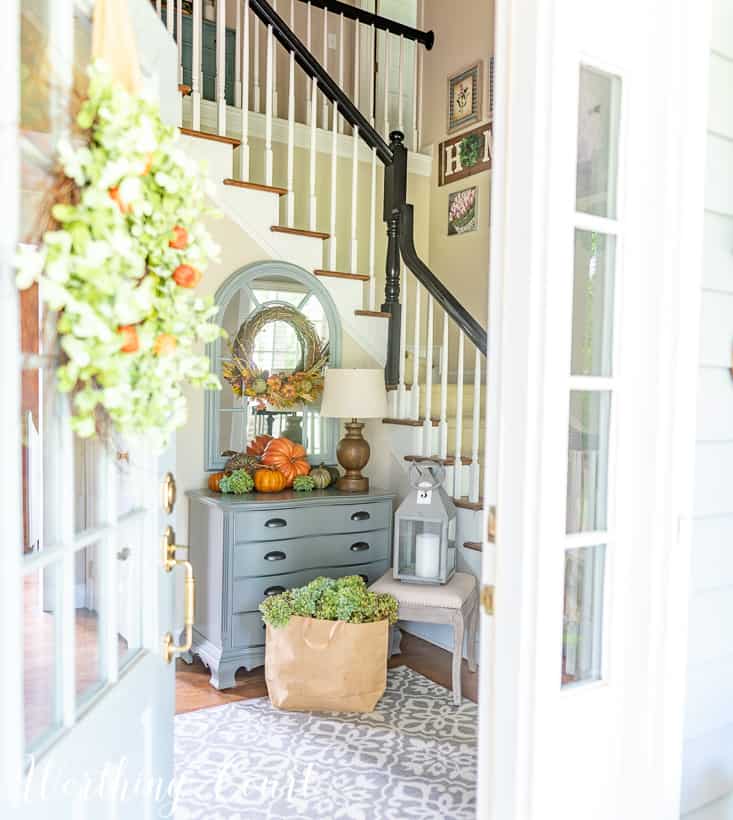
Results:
[462, 211]
[464, 97]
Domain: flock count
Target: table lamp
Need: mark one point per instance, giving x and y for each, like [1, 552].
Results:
[353, 394]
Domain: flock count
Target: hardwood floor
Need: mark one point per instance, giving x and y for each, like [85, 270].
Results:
[194, 692]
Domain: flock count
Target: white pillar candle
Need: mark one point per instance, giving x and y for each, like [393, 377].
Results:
[427, 555]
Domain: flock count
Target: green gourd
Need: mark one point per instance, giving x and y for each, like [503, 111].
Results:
[321, 477]
[239, 483]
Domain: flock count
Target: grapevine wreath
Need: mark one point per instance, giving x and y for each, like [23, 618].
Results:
[283, 390]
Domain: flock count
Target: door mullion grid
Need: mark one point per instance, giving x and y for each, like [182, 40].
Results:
[597, 224]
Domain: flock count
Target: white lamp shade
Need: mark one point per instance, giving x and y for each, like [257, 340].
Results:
[354, 394]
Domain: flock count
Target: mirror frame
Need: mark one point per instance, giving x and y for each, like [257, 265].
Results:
[244, 278]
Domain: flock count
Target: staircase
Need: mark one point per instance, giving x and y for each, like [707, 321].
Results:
[307, 165]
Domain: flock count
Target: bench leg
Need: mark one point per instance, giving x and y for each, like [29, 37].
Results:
[457, 656]
[472, 629]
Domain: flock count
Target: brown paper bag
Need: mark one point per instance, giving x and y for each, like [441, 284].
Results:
[326, 666]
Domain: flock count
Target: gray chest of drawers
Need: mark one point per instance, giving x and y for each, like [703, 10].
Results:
[244, 548]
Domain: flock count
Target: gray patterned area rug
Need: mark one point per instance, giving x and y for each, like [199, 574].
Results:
[413, 757]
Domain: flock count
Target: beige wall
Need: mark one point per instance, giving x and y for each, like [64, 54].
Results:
[462, 262]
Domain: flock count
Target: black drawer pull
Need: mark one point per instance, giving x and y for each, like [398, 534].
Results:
[362, 515]
[273, 523]
[276, 555]
[364, 577]
[360, 546]
[274, 591]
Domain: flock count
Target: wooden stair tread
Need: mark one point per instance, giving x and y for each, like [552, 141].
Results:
[337, 274]
[409, 422]
[256, 186]
[473, 545]
[465, 504]
[189, 132]
[300, 232]
[449, 461]
[378, 313]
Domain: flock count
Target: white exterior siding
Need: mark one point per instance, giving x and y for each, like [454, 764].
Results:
[708, 754]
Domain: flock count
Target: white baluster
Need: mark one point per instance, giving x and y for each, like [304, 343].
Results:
[386, 85]
[428, 423]
[372, 90]
[158, 6]
[238, 54]
[355, 157]
[325, 65]
[179, 38]
[268, 107]
[457, 452]
[341, 63]
[373, 235]
[334, 169]
[244, 147]
[401, 392]
[256, 93]
[416, 356]
[275, 107]
[308, 38]
[418, 95]
[417, 100]
[313, 156]
[475, 474]
[221, 41]
[444, 390]
[169, 12]
[400, 89]
[196, 69]
[290, 204]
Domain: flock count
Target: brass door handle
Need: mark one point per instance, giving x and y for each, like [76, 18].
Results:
[170, 562]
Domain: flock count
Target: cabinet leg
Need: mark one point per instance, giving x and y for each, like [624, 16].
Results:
[222, 675]
[395, 639]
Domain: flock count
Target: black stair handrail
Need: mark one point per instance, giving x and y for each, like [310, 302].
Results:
[398, 213]
[434, 286]
[425, 38]
[326, 83]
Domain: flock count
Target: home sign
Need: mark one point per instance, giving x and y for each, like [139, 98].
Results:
[465, 155]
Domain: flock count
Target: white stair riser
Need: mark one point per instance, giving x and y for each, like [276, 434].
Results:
[218, 157]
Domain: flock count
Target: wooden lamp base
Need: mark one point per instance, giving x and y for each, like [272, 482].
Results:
[353, 455]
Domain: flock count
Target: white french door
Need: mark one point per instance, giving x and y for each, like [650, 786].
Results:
[87, 700]
[589, 339]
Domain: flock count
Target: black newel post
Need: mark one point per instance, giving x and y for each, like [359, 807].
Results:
[395, 196]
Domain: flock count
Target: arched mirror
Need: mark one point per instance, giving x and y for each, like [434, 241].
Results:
[251, 297]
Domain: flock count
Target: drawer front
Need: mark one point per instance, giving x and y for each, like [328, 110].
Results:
[276, 524]
[291, 555]
[247, 627]
[249, 593]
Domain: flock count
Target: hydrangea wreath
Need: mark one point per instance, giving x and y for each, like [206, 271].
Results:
[118, 270]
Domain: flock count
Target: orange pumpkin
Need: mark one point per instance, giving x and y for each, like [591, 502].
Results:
[269, 480]
[256, 447]
[214, 481]
[288, 457]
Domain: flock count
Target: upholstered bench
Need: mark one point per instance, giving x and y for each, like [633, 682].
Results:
[453, 603]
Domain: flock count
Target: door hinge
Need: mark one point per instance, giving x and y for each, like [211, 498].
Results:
[487, 598]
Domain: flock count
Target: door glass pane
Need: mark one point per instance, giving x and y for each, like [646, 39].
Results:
[87, 592]
[593, 303]
[588, 461]
[583, 614]
[41, 618]
[598, 130]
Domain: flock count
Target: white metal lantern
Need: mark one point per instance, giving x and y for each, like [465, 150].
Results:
[425, 528]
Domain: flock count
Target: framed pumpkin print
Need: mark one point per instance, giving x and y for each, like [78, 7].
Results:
[464, 97]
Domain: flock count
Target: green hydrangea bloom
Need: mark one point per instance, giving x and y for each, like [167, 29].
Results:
[304, 484]
[239, 483]
[344, 599]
